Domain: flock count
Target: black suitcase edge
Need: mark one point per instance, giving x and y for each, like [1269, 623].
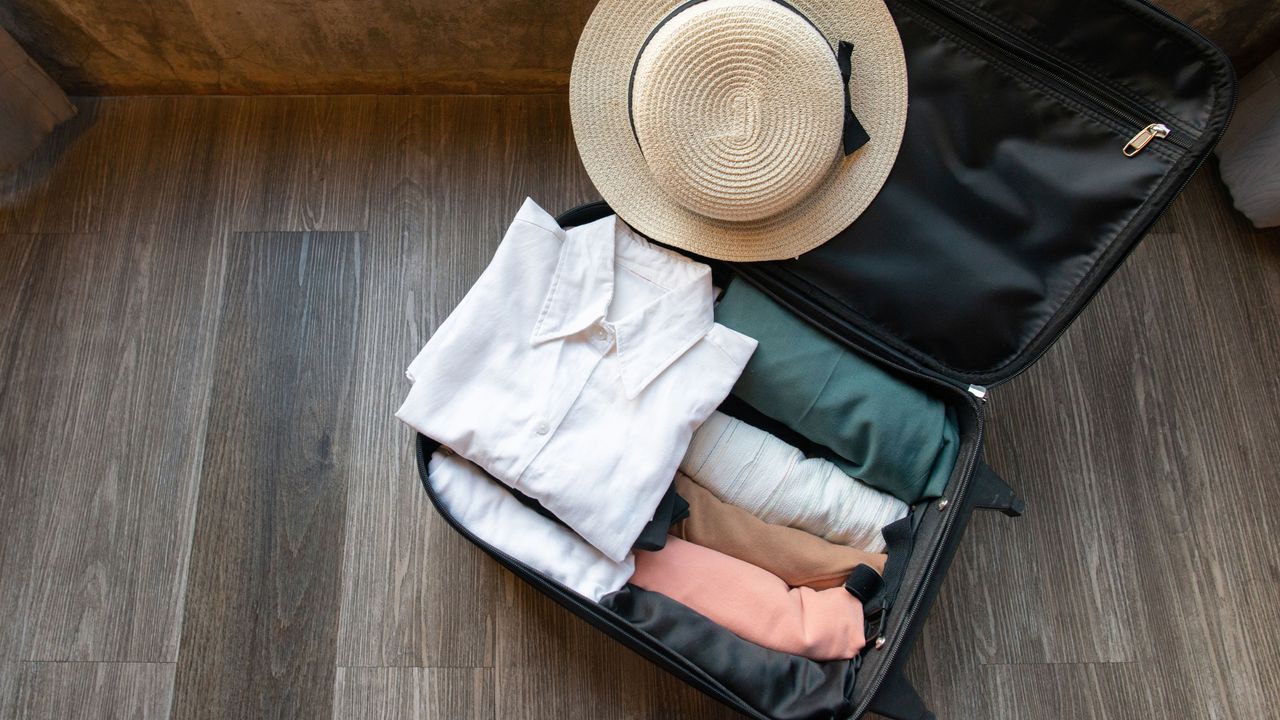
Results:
[596, 615]
[894, 696]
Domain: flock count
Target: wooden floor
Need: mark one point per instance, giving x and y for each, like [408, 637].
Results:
[208, 511]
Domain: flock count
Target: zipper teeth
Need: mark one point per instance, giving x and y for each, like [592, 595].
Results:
[1085, 87]
[925, 582]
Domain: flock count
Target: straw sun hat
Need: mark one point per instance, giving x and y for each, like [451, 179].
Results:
[721, 126]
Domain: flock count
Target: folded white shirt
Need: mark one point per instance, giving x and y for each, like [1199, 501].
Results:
[495, 516]
[575, 371]
[748, 467]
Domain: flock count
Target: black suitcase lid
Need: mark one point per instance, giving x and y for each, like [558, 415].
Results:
[1013, 198]
[1016, 191]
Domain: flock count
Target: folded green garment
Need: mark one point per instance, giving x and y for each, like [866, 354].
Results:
[885, 432]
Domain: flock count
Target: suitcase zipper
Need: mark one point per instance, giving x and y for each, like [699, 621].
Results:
[913, 603]
[1086, 89]
[1144, 137]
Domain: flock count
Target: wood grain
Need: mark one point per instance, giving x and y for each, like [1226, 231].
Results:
[108, 379]
[307, 163]
[94, 691]
[413, 694]
[8, 688]
[18, 492]
[160, 421]
[60, 187]
[100, 442]
[262, 603]
[395, 610]
[1092, 690]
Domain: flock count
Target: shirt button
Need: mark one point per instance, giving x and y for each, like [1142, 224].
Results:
[602, 334]
[542, 428]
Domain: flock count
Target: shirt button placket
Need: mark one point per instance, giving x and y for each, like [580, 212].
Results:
[603, 338]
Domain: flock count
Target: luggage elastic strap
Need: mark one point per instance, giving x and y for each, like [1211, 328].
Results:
[863, 583]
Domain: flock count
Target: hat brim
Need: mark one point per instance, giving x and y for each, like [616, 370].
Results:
[598, 102]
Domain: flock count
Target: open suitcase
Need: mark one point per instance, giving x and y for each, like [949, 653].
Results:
[1044, 137]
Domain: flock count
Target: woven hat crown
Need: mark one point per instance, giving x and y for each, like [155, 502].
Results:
[737, 106]
[739, 130]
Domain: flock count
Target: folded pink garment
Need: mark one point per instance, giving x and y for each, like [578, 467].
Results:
[754, 604]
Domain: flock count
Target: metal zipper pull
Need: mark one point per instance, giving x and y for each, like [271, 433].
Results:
[979, 391]
[1144, 137]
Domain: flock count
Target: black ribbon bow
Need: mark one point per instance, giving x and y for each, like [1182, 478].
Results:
[855, 136]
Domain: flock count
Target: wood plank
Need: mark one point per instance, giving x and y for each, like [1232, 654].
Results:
[413, 694]
[176, 166]
[93, 691]
[108, 380]
[451, 175]
[8, 688]
[320, 149]
[101, 421]
[18, 493]
[1208, 390]
[1095, 690]
[262, 602]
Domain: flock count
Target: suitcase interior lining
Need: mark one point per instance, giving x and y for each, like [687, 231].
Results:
[1010, 200]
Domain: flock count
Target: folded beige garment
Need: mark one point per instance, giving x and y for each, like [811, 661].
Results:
[794, 555]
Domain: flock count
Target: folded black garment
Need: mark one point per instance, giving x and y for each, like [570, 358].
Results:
[671, 510]
[782, 686]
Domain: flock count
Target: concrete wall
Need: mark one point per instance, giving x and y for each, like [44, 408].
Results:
[112, 47]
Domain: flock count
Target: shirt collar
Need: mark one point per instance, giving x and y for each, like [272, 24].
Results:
[649, 339]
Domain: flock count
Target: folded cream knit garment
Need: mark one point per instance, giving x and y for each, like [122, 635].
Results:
[748, 467]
